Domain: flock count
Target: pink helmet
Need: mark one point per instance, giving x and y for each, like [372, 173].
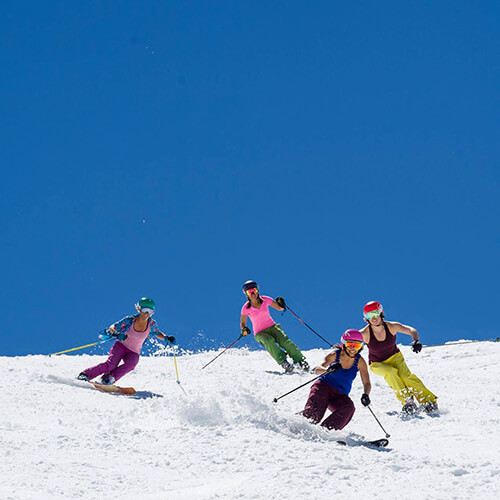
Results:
[351, 336]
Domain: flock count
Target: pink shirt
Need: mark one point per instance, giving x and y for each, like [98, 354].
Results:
[135, 339]
[261, 319]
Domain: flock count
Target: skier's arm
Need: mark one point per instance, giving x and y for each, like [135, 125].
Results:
[365, 376]
[276, 306]
[243, 325]
[366, 334]
[396, 327]
[121, 325]
[330, 358]
[159, 334]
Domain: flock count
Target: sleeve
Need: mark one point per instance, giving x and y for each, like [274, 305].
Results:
[245, 309]
[267, 301]
[155, 330]
[124, 324]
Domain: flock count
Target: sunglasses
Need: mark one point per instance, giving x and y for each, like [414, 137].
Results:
[373, 314]
[354, 345]
[147, 310]
[252, 290]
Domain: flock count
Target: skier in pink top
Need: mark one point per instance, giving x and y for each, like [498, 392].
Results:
[266, 331]
[130, 332]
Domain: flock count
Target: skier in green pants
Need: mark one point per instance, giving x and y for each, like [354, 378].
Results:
[267, 332]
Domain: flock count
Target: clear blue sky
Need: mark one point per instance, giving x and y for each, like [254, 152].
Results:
[336, 152]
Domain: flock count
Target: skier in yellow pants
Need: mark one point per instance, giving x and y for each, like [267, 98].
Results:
[386, 359]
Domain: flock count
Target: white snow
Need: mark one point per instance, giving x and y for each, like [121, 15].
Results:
[225, 439]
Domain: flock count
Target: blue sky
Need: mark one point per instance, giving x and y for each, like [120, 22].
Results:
[334, 152]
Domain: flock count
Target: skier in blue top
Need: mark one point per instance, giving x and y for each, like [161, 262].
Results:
[331, 391]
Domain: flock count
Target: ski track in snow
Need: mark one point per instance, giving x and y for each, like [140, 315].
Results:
[225, 439]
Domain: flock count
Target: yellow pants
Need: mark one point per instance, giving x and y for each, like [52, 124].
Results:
[402, 381]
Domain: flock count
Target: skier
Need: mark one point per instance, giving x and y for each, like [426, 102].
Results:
[266, 331]
[130, 332]
[331, 391]
[387, 360]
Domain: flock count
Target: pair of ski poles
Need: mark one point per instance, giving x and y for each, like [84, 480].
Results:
[241, 335]
[275, 400]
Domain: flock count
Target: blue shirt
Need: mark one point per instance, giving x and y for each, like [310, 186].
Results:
[342, 379]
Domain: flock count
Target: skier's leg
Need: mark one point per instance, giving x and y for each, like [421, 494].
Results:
[391, 376]
[283, 341]
[268, 342]
[342, 409]
[414, 384]
[116, 354]
[317, 403]
[130, 360]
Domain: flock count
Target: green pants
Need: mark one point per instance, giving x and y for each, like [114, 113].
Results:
[275, 335]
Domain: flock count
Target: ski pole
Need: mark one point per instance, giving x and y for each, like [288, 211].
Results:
[386, 434]
[275, 400]
[220, 354]
[312, 330]
[76, 348]
[177, 374]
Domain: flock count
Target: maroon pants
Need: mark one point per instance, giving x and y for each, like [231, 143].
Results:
[110, 367]
[322, 397]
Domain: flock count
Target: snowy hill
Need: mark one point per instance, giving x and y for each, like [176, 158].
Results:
[225, 438]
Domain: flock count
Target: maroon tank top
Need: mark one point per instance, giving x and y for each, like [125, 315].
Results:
[380, 351]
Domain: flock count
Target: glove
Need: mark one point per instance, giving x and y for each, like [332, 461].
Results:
[105, 335]
[365, 399]
[416, 346]
[281, 302]
[170, 338]
[121, 336]
[245, 331]
[333, 367]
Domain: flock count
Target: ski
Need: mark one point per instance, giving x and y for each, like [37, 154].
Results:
[113, 388]
[378, 443]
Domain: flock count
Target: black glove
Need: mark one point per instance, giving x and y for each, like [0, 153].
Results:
[416, 346]
[170, 338]
[281, 302]
[333, 367]
[245, 331]
[365, 399]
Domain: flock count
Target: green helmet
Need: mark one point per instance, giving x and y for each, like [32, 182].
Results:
[147, 303]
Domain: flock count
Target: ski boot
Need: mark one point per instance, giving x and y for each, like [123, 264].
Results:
[430, 407]
[286, 366]
[83, 377]
[304, 365]
[409, 408]
[107, 380]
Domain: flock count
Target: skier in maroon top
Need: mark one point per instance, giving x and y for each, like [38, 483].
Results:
[386, 359]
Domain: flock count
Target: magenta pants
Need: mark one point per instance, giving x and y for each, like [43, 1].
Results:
[110, 367]
[322, 397]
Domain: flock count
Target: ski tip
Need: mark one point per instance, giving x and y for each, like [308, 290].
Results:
[380, 443]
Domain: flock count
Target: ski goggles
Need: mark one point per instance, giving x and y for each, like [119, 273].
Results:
[354, 345]
[252, 290]
[373, 314]
[147, 310]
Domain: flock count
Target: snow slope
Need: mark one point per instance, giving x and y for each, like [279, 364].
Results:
[225, 439]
